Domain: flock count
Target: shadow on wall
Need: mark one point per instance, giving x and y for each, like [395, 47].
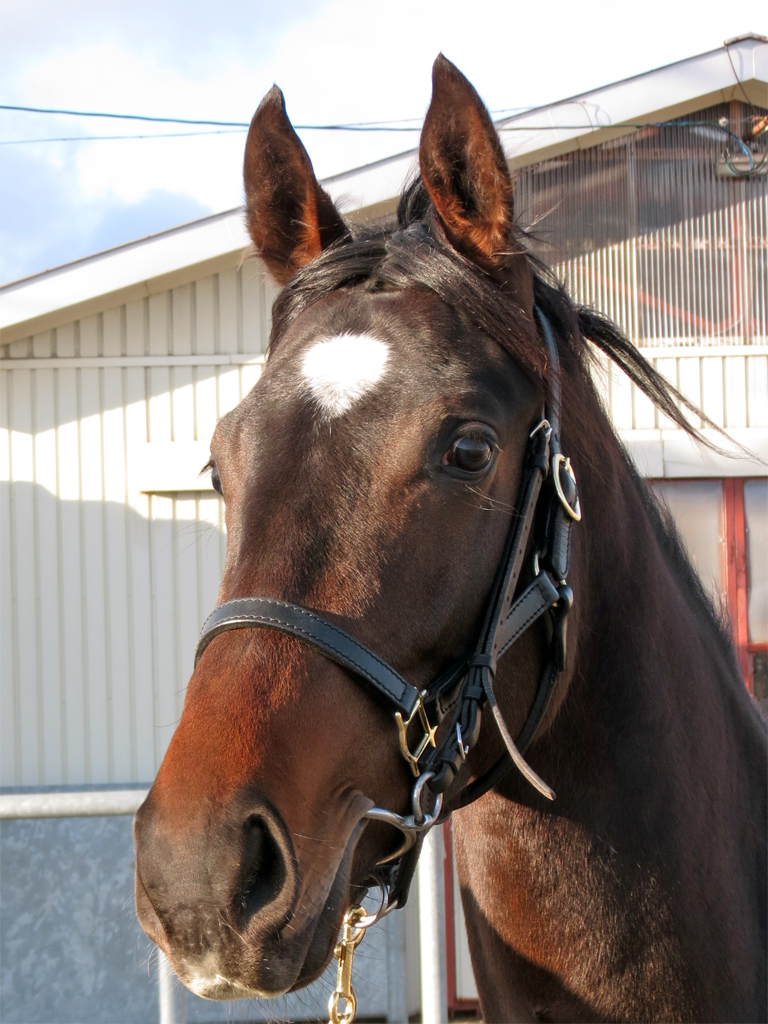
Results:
[100, 610]
[46, 397]
[100, 613]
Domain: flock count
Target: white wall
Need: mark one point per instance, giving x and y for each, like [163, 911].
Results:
[104, 587]
[111, 548]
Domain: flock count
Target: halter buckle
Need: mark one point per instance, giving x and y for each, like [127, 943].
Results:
[544, 425]
[559, 460]
[427, 740]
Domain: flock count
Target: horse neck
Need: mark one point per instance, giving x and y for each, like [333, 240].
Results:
[658, 761]
[649, 656]
[645, 625]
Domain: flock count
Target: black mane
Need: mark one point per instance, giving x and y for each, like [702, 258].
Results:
[411, 252]
[414, 256]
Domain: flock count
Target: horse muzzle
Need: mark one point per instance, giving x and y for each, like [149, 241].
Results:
[230, 903]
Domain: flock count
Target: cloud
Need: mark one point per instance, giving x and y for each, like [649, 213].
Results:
[60, 224]
[336, 60]
[190, 37]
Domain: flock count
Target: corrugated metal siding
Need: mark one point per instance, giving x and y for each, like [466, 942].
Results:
[645, 229]
[728, 385]
[104, 588]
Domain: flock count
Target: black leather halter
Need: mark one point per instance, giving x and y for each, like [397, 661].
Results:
[449, 710]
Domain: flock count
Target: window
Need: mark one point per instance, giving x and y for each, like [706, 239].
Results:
[756, 550]
[724, 524]
[698, 510]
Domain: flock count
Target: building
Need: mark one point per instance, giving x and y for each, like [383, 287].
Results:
[650, 197]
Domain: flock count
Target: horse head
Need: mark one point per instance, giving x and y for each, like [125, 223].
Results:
[370, 477]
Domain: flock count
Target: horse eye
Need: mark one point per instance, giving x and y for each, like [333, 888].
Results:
[216, 479]
[470, 454]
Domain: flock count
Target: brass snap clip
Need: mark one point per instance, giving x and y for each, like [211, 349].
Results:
[351, 935]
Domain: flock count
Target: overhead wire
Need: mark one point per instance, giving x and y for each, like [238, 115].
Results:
[713, 125]
[122, 117]
[102, 138]
[350, 126]
[393, 125]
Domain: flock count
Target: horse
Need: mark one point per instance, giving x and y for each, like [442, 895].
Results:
[422, 376]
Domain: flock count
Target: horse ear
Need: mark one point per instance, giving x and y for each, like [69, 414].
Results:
[464, 168]
[290, 218]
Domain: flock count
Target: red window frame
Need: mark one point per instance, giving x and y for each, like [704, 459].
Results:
[734, 571]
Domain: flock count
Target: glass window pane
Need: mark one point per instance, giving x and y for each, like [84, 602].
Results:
[760, 679]
[756, 516]
[697, 507]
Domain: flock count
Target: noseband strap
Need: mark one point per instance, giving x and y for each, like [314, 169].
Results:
[336, 644]
[546, 509]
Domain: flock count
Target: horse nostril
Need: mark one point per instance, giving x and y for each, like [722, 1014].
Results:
[263, 871]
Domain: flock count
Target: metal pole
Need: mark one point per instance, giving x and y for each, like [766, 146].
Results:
[80, 804]
[171, 992]
[397, 978]
[434, 974]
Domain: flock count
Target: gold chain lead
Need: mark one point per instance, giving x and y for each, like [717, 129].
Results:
[350, 939]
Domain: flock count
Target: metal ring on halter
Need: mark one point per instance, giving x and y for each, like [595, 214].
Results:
[559, 460]
[405, 823]
[544, 425]
[409, 837]
[385, 907]
[418, 787]
[411, 825]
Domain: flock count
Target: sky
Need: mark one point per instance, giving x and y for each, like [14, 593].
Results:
[337, 61]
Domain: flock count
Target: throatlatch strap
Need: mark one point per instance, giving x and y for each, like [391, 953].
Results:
[537, 598]
[555, 545]
[505, 620]
[334, 642]
[513, 562]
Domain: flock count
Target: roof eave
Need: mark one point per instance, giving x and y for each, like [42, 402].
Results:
[169, 259]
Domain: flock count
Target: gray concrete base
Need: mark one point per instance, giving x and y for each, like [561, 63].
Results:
[70, 946]
[72, 952]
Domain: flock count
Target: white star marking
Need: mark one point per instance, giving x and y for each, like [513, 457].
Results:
[341, 370]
